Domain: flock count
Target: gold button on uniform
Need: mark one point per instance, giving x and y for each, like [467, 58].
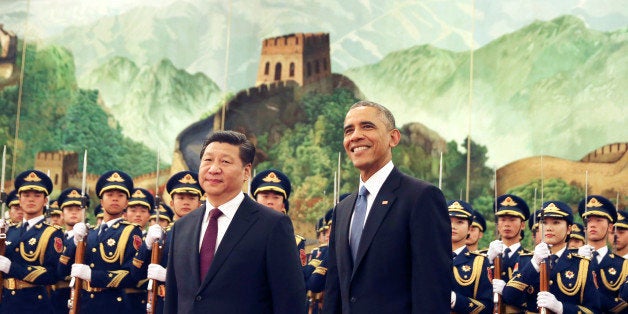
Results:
[119, 299]
[94, 250]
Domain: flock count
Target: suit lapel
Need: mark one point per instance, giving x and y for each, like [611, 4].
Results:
[244, 218]
[342, 225]
[383, 200]
[194, 233]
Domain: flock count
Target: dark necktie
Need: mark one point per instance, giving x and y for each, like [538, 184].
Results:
[359, 215]
[506, 256]
[103, 228]
[208, 247]
[453, 255]
[553, 260]
[594, 258]
[24, 228]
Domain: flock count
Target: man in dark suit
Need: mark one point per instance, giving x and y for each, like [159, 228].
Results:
[391, 254]
[232, 255]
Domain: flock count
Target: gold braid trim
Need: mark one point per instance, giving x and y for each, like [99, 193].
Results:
[141, 283]
[620, 307]
[41, 247]
[475, 275]
[137, 262]
[39, 270]
[581, 281]
[517, 284]
[320, 270]
[119, 275]
[620, 280]
[584, 310]
[315, 262]
[124, 237]
[64, 259]
[479, 306]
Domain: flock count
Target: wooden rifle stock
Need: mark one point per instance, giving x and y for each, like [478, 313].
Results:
[316, 303]
[497, 274]
[75, 293]
[155, 256]
[3, 247]
[544, 283]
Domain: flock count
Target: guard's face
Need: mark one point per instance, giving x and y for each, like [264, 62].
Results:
[56, 220]
[459, 229]
[575, 243]
[509, 227]
[222, 173]
[556, 231]
[183, 203]
[32, 203]
[138, 214]
[367, 140]
[597, 228]
[271, 199]
[474, 236]
[72, 214]
[114, 202]
[15, 213]
[621, 238]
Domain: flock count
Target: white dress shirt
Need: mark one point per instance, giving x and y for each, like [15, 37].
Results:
[228, 210]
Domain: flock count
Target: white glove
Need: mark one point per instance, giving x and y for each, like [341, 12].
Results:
[3, 224]
[156, 272]
[453, 299]
[498, 286]
[547, 300]
[81, 271]
[586, 250]
[154, 233]
[80, 231]
[5, 264]
[541, 252]
[495, 248]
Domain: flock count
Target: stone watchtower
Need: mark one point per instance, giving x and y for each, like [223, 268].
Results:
[61, 164]
[303, 58]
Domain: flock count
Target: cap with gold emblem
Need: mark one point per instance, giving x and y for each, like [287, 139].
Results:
[622, 220]
[597, 205]
[12, 199]
[478, 221]
[533, 222]
[54, 208]
[165, 213]
[184, 182]
[559, 210]
[142, 197]
[512, 205]
[460, 209]
[272, 180]
[71, 196]
[329, 216]
[577, 231]
[321, 226]
[33, 180]
[98, 211]
[114, 180]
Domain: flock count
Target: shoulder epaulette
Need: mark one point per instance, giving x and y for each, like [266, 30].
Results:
[527, 254]
[299, 237]
[579, 256]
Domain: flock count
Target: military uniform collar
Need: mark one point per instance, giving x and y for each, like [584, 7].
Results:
[112, 222]
[459, 250]
[33, 221]
[514, 248]
[602, 252]
[560, 252]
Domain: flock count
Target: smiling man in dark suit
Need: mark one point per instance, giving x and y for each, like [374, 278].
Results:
[389, 247]
[232, 255]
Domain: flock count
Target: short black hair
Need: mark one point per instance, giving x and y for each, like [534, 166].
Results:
[247, 149]
[386, 115]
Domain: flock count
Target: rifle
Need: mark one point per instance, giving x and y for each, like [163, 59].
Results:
[498, 306]
[155, 255]
[3, 229]
[76, 283]
[543, 271]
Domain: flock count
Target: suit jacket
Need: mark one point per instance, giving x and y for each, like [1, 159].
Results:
[256, 268]
[403, 264]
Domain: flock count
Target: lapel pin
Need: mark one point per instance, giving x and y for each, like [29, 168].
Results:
[384, 202]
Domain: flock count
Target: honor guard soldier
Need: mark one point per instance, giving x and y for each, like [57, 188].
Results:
[165, 216]
[69, 201]
[511, 215]
[185, 194]
[55, 214]
[471, 285]
[141, 205]
[576, 238]
[32, 251]
[109, 250]
[478, 226]
[272, 188]
[571, 287]
[599, 215]
[316, 269]
[98, 214]
[620, 236]
[15, 211]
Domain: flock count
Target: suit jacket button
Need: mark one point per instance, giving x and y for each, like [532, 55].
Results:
[353, 299]
[199, 298]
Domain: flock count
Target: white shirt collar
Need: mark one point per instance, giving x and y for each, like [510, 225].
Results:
[375, 182]
[602, 252]
[561, 251]
[228, 209]
[458, 250]
[513, 248]
[33, 221]
[112, 222]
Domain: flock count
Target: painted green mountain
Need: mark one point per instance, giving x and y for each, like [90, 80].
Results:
[554, 88]
[153, 103]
